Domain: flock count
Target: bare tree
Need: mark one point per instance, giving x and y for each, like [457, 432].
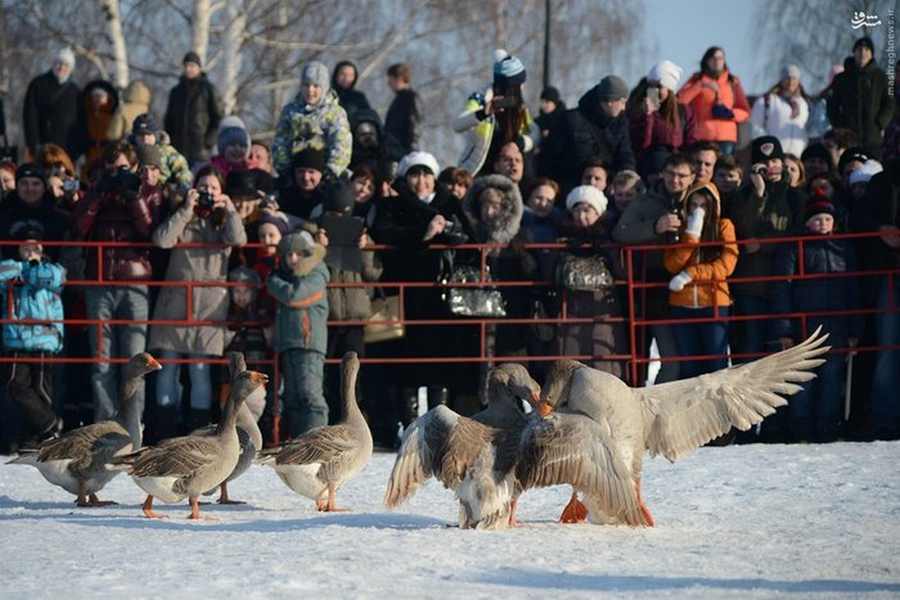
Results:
[117, 38]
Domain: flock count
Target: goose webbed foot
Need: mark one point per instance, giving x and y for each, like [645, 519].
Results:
[148, 509]
[223, 496]
[574, 512]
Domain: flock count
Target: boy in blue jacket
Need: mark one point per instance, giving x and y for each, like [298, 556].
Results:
[298, 287]
[36, 287]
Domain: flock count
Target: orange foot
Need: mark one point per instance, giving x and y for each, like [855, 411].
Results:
[574, 512]
[645, 512]
[148, 509]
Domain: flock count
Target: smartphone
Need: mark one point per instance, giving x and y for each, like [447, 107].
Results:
[653, 97]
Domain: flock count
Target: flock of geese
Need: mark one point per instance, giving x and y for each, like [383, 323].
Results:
[588, 430]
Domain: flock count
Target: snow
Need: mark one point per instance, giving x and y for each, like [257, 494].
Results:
[755, 521]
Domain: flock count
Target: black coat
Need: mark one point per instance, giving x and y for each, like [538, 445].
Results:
[192, 117]
[590, 133]
[402, 120]
[861, 102]
[50, 112]
[55, 223]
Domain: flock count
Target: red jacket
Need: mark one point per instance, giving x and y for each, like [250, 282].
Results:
[702, 99]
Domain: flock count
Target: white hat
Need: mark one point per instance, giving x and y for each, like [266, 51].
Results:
[418, 158]
[863, 174]
[589, 195]
[790, 72]
[66, 56]
[666, 73]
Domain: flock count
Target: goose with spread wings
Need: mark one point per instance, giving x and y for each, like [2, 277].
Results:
[672, 419]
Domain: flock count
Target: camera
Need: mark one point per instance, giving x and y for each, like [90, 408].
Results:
[205, 200]
[759, 169]
[120, 181]
[70, 184]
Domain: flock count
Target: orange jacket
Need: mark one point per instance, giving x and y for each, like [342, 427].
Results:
[687, 258]
[701, 100]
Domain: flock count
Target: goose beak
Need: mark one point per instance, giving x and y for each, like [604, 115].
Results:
[259, 378]
[543, 408]
[154, 364]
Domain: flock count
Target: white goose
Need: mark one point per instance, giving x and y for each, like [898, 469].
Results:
[672, 419]
[76, 461]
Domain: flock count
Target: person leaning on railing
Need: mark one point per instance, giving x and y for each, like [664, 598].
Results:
[205, 216]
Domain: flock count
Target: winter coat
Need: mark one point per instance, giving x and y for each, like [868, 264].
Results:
[884, 195]
[772, 116]
[37, 298]
[54, 221]
[351, 99]
[652, 131]
[174, 167]
[104, 216]
[548, 124]
[821, 255]
[697, 294]
[589, 133]
[480, 133]
[302, 313]
[753, 218]
[402, 121]
[324, 125]
[50, 112]
[135, 102]
[702, 99]
[91, 130]
[388, 151]
[861, 102]
[195, 264]
[192, 117]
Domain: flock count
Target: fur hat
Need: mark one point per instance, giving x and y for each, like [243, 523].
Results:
[667, 73]
[508, 69]
[303, 244]
[612, 88]
[232, 131]
[587, 194]
[316, 73]
[863, 174]
[766, 147]
[506, 225]
[417, 158]
[309, 158]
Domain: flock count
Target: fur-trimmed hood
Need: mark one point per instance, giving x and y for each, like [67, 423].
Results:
[506, 226]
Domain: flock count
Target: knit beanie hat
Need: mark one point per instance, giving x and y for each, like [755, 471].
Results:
[27, 229]
[316, 73]
[244, 275]
[790, 72]
[865, 42]
[766, 147]
[508, 69]
[418, 158]
[863, 174]
[612, 88]
[192, 57]
[587, 194]
[551, 94]
[817, 150]
[66, 56]
[30, 170]
[309, 158]
[667, 73]
[233, 132]
[149, 156]
[277, 220]
[816, 206]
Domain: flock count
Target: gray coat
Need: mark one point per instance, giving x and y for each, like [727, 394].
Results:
[195, 264]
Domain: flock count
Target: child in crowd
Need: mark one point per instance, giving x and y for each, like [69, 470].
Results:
[728, 175]
[815, 414]
[37, 297]
[298, 286]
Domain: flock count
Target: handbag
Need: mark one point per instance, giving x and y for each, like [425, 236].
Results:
[472, 301]
[384, 308]
[583, 273]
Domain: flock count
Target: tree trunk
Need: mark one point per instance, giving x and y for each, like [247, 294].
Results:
[234, 39]
[117, 38]
[200, 33]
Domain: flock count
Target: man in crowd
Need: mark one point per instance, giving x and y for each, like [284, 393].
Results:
[51, 106]
[193, 114]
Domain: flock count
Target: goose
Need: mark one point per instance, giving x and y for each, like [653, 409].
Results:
[317, 463]
[672, 419]
[75, 461]
[445, 445]
[185, 467]
[249, 435]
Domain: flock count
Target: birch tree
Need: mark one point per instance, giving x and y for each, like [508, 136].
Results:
[117, 40]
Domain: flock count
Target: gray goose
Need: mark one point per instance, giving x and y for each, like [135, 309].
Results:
[76, 460]
[185, 467]
[249, 435]
[674, 418]
[445, 445]
[317, 463]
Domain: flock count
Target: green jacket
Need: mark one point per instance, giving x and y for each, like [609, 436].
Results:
[324, 125]
[302, 314]
[174, 165]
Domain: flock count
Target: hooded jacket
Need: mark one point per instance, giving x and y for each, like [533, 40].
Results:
[192, 117]
[351, 99]
[688, 259]
[37, 298]
[302, 125]
[702, 99]
[135, 102]
[302, 306]
[91, 132]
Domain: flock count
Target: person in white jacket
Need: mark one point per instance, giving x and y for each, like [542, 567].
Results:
[783, 112]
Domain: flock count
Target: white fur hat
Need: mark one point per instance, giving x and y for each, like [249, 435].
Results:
[667, 73]
[415, 159]
[589, 195]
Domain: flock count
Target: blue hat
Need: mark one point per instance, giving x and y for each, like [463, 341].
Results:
[508, 69]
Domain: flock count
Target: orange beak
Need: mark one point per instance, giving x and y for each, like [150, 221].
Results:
[154, 364]
[543, 408]
[259, 378]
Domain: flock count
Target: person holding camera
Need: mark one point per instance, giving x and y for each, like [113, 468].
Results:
[123, 207]
[32, 201]
[209, 217]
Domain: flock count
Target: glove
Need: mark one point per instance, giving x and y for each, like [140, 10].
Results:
[678, 282]
[695, 222]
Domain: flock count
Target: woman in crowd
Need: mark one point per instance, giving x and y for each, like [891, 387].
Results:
[717, 99]
[795, 170]
[659, 123]
[783, 111]
[208, 216]
[97, 104]
[497, 117]
[698, 286]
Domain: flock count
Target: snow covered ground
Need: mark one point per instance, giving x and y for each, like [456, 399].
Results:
[739, 522]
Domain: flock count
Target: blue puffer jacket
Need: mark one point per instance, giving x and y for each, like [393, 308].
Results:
[36, 298]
